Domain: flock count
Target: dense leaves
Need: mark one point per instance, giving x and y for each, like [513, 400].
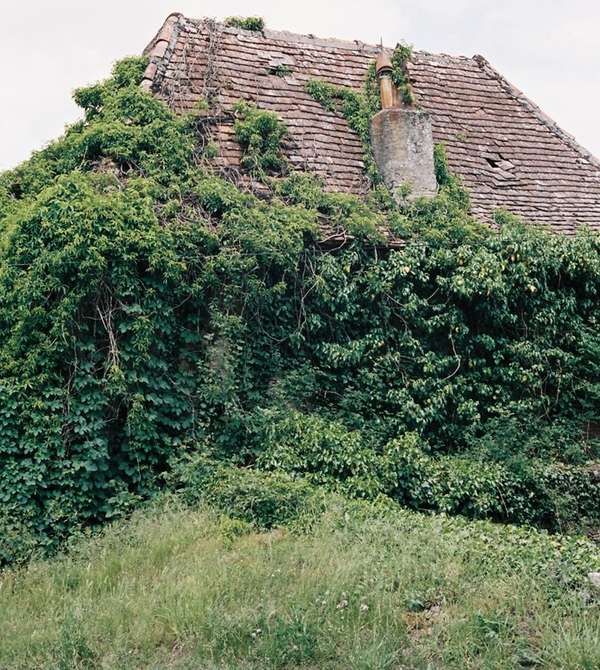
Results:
[260, 134]
[148, 306]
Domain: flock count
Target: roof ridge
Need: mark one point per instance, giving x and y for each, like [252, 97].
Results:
[310, 38]
[297, 37]
[530, 106]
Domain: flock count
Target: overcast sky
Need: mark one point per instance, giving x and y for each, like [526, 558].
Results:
[550, 49]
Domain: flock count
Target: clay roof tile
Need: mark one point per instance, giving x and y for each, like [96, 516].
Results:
[508, 153]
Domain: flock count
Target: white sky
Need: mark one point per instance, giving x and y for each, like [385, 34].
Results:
[550, 49]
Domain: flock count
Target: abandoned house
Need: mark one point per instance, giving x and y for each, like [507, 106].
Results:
[506, 151]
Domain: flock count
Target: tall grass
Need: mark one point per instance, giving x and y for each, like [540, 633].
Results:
[181, 589]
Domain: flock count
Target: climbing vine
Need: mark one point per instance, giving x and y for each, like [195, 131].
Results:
[400, 57]
[357, 108]
[150, 308]
[260, 134]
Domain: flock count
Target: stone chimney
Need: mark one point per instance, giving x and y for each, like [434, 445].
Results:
[401, 138]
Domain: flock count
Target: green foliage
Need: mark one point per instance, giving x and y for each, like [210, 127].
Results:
[400, 57]
[357, 108]
[148, 305]
[371, 90]
[281, 70]
[260, 134]
[323, 451]
[266, 500]
[530, 492]
[345, 212]
[527, 491]
[252, 23]
[448, 182]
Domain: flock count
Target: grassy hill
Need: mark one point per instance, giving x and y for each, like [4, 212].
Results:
[359, 587]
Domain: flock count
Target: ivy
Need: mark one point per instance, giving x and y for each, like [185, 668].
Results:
[357, 108]
[326, 453]
[260, 134]
[151, 308]
[402, 54]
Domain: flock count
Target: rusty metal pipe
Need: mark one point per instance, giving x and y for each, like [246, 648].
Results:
[387, 90]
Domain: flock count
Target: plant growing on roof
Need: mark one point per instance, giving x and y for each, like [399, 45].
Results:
[400, 57]
[357, 108]
[260, 134]
[253, 23]
[280, 70]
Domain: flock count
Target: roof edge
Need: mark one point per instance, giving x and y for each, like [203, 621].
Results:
[159, 48]
[315, 40]
[531, 107]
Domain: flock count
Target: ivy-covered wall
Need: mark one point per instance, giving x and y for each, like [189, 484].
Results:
[150, 308]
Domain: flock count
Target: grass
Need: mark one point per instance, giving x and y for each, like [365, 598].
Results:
[365, 589]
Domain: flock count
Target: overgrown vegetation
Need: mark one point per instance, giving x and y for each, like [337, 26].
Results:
[357, 108]
[280, 70]
[400, 57]
[260, 135]
[150, 308]
[355, 586]
[252, 23]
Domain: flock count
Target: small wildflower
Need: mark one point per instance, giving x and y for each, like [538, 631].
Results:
[364, 607]
[342, 604]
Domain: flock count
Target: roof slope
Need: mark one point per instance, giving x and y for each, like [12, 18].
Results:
[507, 152]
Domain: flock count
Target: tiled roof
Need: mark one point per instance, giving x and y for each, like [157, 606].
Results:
[507, 152]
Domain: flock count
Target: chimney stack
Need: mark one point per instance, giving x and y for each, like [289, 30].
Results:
[402, 139]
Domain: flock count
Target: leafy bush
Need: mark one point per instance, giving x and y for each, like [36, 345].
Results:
[264, 499]
[527, 491]
[552, 496]
[260, 134]
[253, 23]
[323, 451]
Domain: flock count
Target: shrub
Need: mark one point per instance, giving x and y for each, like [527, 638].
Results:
[527, 491]
[252, 23]
[260, 134]
[264, 499]
[532, 492]
[323, 451]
